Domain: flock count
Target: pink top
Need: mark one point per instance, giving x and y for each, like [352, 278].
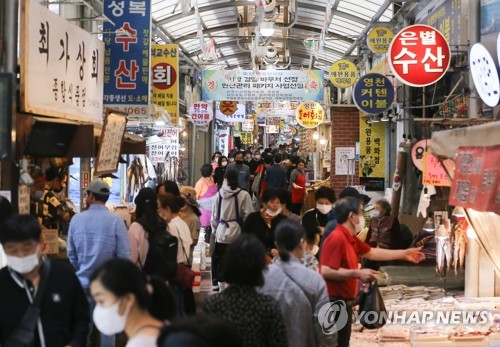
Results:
[139, 244]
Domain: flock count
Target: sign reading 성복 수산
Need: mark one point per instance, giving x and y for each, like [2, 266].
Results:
[62, 66]
[373, 93]
[126, 69]
[267, 85]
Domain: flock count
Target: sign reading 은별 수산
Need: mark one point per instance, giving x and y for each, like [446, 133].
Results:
[62, 66]
[267, 85]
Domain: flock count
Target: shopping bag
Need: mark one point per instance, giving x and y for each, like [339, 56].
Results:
[372, 312]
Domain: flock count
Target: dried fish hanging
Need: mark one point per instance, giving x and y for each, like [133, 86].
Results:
[459, 234]
[136, 177]
[443, 251]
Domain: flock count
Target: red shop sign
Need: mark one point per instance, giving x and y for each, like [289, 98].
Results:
[419, 55]
[476, 183]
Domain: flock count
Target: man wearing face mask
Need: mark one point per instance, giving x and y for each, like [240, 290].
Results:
[94, 237]
[243, 170]
[63, 317]
[51, 211]
[325, 198]
[340, 258]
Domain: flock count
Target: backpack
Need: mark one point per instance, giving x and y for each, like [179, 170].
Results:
[161, 259]
[238, 219]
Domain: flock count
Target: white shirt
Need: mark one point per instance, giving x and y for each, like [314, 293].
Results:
[142, 341]
[178, 228]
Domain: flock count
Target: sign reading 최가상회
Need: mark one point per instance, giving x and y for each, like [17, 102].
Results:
[165, 79]
[373, 93]
[476, 179]
[343, 73]
[126, 61]
[419, 55]
[201, 113]
[310, 114]
[62, 66]
[267, 85]
[379, 39]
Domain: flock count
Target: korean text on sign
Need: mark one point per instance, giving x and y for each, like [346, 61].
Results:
[419, 55]
[373, 93]
[126, 60]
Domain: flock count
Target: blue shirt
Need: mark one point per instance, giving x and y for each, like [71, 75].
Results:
[94, 237]
[243, 174]
[275, 177]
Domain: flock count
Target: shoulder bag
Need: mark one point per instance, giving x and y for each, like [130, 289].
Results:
[24, 334]
[184, 275]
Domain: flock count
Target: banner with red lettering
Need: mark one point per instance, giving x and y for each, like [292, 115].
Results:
[476, 183]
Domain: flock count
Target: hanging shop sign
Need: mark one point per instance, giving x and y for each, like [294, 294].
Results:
[447, 18]
[419, 55]
[246, 138]
[126, 61]
[310, 114]
[344, 160]
[267, 85]
[227, 108]
[165, 79]
[343, 73]
[433, 172]
[476, 179]
[62, 66]
[110, 143]
[417, 153]
[272, 129]
[379, 39]
[373, 93]
[223, 141]
[485, 75]
[372, 155]
[161, 148]
[238, 116]
[282, 109]
[247, 125]
[201, 113]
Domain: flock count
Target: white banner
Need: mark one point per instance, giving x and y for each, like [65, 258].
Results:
[61, 66]
[166, 146]
[238, 116]
[223, 141]
[344, 156]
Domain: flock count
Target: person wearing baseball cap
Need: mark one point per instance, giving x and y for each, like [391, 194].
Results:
[351, 191]
[96, 236]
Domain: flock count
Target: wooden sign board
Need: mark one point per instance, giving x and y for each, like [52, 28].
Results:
[110, 143]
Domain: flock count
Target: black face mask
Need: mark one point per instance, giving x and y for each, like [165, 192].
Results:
[239, 162]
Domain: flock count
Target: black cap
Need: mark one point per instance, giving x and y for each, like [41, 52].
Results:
[350, 191]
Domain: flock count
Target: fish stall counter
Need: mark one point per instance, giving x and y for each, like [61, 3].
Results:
[424, 317]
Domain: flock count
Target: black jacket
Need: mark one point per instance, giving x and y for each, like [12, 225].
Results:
[64, 309]
[256, 225]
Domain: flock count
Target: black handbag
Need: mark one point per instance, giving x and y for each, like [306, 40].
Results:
[372, 312]
[24, 334]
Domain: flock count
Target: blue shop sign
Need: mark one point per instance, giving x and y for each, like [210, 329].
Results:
[127, 47]
[373, 93]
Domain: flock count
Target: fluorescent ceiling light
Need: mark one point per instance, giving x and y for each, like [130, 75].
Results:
[159, 123]
[267, 29]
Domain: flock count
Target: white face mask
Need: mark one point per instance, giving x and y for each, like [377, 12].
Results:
[257, 157]
[231, 160]
[315, 250]
[272, 214]
[224, 163]
[23, 265]
[107, 319]
[324, 209]
[361, 225]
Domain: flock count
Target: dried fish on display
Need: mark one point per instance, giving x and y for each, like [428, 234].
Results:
[459, 232]
[135, 177]
[443, 251]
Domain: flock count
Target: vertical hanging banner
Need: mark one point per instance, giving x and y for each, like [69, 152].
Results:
[165, 75]
[372, 155]
[126, 60]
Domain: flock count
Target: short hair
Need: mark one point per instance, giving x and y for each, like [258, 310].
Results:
[386, 206]
[295, 159]
[170, 187]
[248, 152]
[55, 172]
[207, 170]
[100, 197]
[325, 192]
[304, 162]
[278, 158]
[311, 232]
[288, 235]
[281, 146]
[238, 153]
[271, 194]
[268, 158]
[345, 206]
[172, 202]
[121, 277]
[231, 177]
[285, 197]
[6, 209]
[243, 262]
[20, 228]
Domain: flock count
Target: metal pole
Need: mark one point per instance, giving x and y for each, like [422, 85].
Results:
[474, 37]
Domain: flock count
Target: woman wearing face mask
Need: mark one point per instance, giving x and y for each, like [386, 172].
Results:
[168, 208]
[125, 301]
[325, 198]
[215, 159]
[298, 187]
[263, 223]
[313, 238]
[220, 171]
[300, 292]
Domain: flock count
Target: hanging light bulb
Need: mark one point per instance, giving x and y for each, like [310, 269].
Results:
[267, 29]
[323, 141]
[315, 135]
[429, 225]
